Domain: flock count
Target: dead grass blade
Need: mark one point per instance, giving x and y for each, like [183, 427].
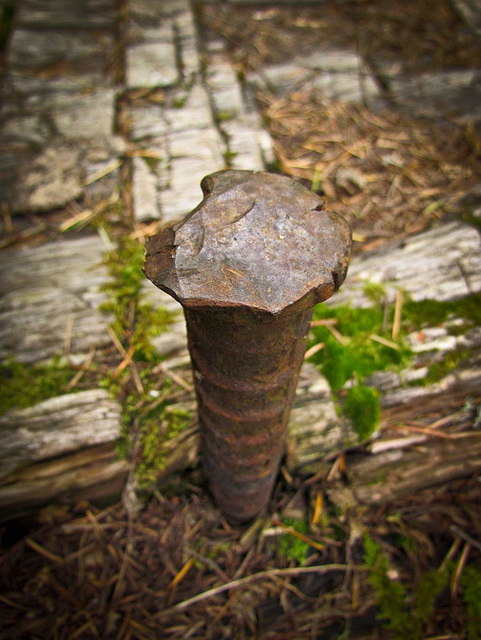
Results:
[262, 575]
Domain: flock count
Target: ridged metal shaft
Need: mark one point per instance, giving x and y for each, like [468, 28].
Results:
[245, 378]
[248, 265]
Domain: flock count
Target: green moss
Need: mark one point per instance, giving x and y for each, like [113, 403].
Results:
[180, 101]
[229, 157]
[6, 19]
[136, 322]
[293, 548]
[355, 356]
[471, 583]
[23, 386]
[225, 116]
[409, 545]
[362, 407]
[450, 362]
[375, 292]
[151, 162]
[404, 610]
[433, 312]
[358, 355]
[161, 425]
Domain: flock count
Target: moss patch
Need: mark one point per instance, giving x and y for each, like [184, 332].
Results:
[362, 407]
[449, 363]
[353, 355]
[433, 312]
[156, 429]
[150, 415]
[24, 386]
[405, 610]
[136, 322]
[293, 548]
[352, 351]
[358, 355]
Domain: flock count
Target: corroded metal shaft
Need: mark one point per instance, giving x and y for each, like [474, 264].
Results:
[248, 265]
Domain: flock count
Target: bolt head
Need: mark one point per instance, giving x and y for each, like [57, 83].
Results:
[258, 241]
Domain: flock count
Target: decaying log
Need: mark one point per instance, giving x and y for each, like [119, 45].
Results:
[431, 440]
[58, 447]
[442, 264]
[44, 290]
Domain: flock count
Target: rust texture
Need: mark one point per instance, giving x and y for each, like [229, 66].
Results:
[248, 265]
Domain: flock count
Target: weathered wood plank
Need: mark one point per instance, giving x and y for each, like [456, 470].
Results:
[56, 427]
[57, 446]
[44, 289]
[95, 472]
[443, 263]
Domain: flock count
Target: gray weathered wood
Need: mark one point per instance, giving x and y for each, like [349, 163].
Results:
[443, 263]
[44, 289]
[59, 446]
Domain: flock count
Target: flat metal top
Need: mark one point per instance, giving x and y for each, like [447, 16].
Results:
[257, 240]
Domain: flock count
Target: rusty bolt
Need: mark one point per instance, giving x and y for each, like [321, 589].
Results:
[248, 265]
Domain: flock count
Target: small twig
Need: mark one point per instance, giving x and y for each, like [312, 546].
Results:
[270, 573]
[313, 350]
[82, 369]
[466, 537]
[327, 322]
[339, 466]
[143, 153]
[22, 235]
[125, 362]
[384, 341]
[120, 582]
[120, 348]
[339, 337]
[181, 574]
[396, 327]
[104, 236]
[242, 567]
[299, 535]
[84, 216]
[318, 509]
[209, 562]
[68, 336]
[450, 555]
[427, 431]
[459, 570]
[397, 443]
[87, 625]
[44, 552]
[145, 231]
[103, 172]
[162, 367]
[118, 345]
[14, 605]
